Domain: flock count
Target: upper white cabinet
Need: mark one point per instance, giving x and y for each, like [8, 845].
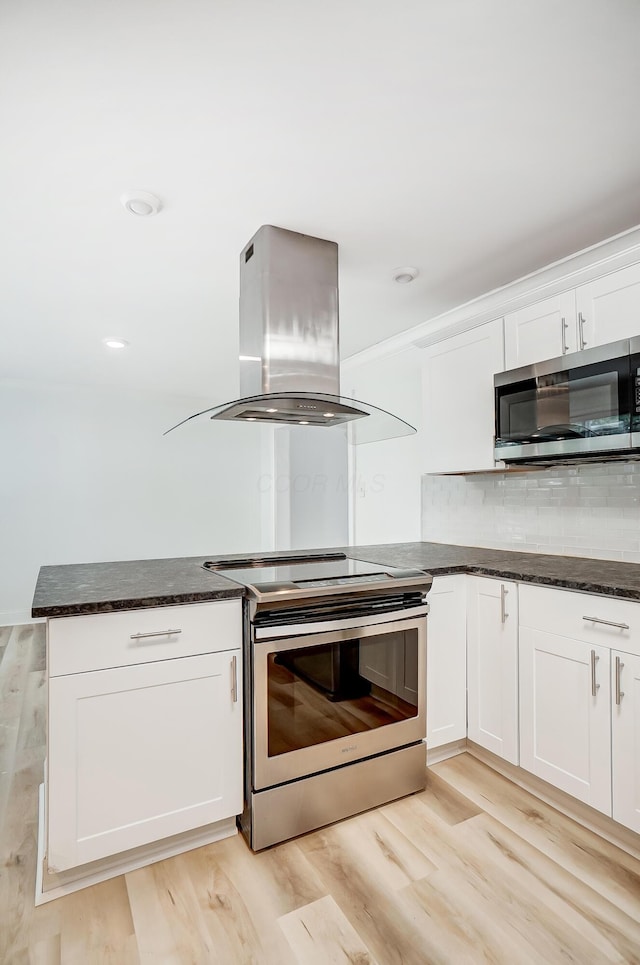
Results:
[492, 665]
[599, 312]
[609, 309]
[458, 415]
[545, 330]
[446, 661]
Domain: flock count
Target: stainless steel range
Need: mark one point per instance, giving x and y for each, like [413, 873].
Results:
[335, 671]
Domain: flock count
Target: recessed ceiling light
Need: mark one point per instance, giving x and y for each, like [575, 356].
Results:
[141, 203]
[405, 275]
[114, 342]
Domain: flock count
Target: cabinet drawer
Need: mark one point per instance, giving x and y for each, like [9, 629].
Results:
[102, 641]
[563, 612]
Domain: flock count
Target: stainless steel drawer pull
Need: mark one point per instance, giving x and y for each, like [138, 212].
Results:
[234, 679]
[607, 623]
[594, 685]
[155, 633]
[619, 693]
[564, 326]
[581, 321]
[503, 603]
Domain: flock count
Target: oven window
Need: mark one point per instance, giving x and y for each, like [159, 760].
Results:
[320, 693]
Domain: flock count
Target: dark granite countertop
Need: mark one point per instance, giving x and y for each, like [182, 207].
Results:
[133, 584]
[127, 585]
[607, 577]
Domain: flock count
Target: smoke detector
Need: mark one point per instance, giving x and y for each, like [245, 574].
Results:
[141, 203]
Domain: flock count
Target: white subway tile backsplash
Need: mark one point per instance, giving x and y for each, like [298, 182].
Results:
[582, 511]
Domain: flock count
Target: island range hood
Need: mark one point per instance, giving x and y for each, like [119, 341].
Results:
[289, 341]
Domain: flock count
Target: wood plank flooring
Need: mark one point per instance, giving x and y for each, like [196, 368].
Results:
[473, 869]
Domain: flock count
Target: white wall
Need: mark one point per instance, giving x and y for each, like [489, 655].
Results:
[86, 475]
[386, 475]
[311, 487]
[590, 510]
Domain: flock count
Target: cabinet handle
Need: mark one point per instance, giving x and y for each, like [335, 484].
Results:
[581, 321]
[607, 623]
[234, 679]
[594, 685]
[155, 633]
[619, 693]
[503, 603]
[564, 327]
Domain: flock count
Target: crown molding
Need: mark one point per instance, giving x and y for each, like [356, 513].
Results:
[567, 273]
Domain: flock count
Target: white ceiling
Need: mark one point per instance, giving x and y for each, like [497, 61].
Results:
[475, 139]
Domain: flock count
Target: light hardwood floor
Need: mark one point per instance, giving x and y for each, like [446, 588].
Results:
[473, 869]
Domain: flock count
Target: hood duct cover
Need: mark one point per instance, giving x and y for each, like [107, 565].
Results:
[289, 341]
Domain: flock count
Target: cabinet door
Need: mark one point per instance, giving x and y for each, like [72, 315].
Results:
[140, 753]
[458, 417]
[545, 330]
[446, 661]
[565, 729]
[609, 308]
[492, 666]
[625, 686]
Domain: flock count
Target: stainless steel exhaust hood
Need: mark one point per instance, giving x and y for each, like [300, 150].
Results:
[289, 341]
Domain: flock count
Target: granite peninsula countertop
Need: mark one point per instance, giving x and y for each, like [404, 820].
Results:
[133, 584]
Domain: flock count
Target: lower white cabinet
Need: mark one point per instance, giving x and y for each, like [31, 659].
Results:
[446, 661]
[625, 743]
[580, 697]
[140, 753]
[565, 715]
[144, 731]
[492, 665]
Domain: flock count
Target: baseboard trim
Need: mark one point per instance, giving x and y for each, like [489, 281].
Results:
[445, 751]
[51, 886]
[588, 817]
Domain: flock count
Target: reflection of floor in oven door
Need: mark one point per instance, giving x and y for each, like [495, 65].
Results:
[300, 716]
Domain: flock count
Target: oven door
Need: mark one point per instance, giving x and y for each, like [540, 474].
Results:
[565, 407]
[325, 699]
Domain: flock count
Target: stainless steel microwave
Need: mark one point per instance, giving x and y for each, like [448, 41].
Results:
[578, 406]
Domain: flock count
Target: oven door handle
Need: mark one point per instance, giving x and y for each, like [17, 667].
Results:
[328, 626]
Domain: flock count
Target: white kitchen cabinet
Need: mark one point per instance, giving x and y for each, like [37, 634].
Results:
[446, 661]
[140, 752]
[544, 330]
[609, 308]
[596, 313]
[565, 715]
[625, 738]
[458, 409]
[492, 665]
